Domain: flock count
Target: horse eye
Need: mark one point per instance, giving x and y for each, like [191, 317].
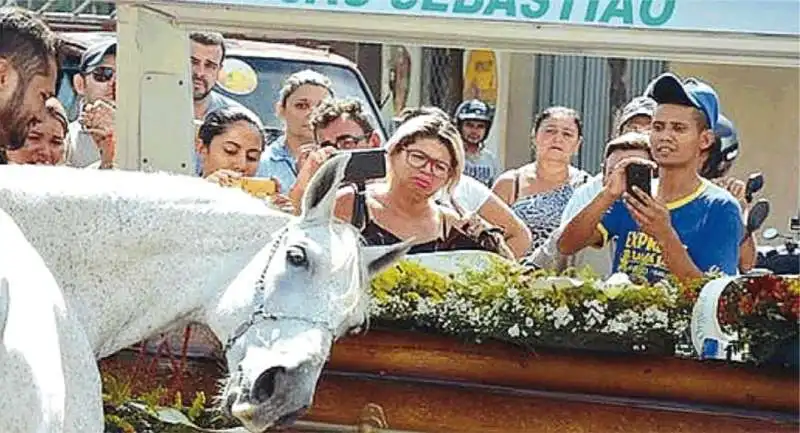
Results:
[296, 256]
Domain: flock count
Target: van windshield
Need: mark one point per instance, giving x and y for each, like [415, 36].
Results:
[271, 74]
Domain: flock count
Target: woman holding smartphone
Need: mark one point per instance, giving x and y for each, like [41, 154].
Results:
[424, 156]
[229, 144]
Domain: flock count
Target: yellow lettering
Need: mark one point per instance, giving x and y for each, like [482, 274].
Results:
[652, 245]
[629, 240]
[624, 258]
[640, 251]
[640, 240]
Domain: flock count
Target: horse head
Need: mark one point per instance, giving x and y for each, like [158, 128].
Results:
[311, 291]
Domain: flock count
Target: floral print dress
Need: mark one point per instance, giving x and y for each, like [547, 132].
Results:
[542, 211]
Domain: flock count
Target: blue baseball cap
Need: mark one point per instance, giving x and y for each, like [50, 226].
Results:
[667, 88]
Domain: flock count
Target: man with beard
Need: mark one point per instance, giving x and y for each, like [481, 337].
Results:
[27, 74]
[208, 53]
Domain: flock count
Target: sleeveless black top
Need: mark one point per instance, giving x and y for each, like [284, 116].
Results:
[374, 234]
[448, 240]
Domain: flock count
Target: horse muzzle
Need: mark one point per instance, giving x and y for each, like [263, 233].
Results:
[275, 385]
[277, 398]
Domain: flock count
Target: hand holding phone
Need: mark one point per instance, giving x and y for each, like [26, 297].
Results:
[364, 165]
[311, 158]
[640, 176]
[259, 186]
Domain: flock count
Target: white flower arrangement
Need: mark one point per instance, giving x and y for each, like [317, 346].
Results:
[505, 302]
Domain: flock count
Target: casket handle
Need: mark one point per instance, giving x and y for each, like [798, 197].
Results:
[373, 419]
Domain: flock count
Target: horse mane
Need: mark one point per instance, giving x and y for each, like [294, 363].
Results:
[147, 235]
[124, 204]
[61, 181]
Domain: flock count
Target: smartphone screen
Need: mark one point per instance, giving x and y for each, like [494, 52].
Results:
[259, 187]
[365, 165]
[639, 175]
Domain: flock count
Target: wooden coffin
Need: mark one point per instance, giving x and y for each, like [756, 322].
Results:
[426, 383]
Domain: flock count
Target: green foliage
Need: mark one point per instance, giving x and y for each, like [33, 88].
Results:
[532, 308]
[116, 422]
[116, 392]
[508, 302]
[763, 315]
[131, 412]
[198, 406]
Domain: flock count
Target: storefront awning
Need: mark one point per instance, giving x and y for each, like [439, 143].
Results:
[764, 32]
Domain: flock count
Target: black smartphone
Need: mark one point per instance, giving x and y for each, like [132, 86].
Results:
[639, 175]
[364, 165]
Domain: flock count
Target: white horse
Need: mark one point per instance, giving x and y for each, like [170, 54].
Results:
[140, 253]
[35, 350]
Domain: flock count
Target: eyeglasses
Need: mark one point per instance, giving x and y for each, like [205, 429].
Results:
[102, 74]
[344, 141]
[418, 159]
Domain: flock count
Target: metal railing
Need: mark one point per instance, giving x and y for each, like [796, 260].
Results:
[318, 427]
[71, 15]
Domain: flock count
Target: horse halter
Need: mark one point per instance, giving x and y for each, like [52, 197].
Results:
[260, 313]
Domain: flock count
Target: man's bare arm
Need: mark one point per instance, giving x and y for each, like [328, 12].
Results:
[582, 230]
[677, 259]
[747, 254]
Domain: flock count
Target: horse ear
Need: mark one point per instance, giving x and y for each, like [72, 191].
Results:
[320, 194]
[381, 257]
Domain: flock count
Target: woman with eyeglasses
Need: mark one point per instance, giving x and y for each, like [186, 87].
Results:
[424, 156]
[474, 198]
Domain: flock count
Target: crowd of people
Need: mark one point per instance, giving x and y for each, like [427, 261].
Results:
[443, 187]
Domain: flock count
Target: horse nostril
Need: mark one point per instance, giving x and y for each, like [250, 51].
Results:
[264, 386]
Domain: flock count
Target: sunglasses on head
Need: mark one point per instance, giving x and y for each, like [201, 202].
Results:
[102, 74]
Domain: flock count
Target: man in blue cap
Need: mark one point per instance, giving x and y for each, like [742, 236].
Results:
[96, 84]
[689, 226]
